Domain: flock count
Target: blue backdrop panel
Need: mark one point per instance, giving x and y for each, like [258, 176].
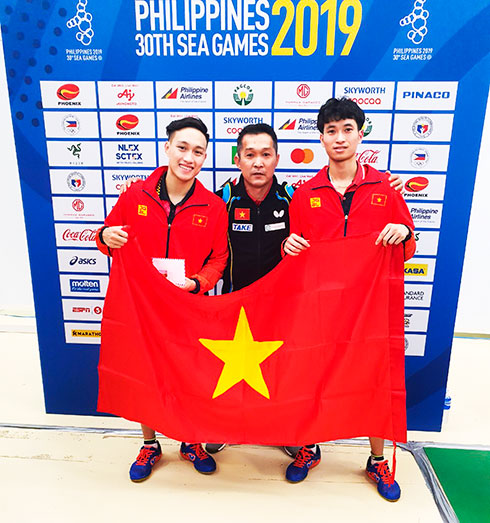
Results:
[93, 84]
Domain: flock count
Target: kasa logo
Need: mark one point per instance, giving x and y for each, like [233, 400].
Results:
[243, 95]
[416, 269]
[422, 127]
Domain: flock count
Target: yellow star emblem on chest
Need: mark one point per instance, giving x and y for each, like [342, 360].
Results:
[242, 357]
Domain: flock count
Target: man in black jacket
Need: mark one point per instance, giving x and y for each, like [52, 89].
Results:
[258, 209]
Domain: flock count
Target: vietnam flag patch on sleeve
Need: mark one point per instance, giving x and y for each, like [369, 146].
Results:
[379, 199]
[199, 220]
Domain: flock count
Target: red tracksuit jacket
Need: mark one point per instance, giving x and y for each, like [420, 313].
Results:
[316, 211]
[197, 234]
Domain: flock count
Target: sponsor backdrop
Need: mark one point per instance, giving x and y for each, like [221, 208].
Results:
[94, 84]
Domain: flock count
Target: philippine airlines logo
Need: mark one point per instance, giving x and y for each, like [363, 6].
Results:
[71, 125]
[243, 94]
[78, 205]
[419, 158]
[416, 184]
[76, 181]
[288, 126]
[370, 156]
[126, 123]
[367, 127]
[171, 94]
[303, 90]
[68, 92]
[422, 127]
[302, 156]
[418, 20]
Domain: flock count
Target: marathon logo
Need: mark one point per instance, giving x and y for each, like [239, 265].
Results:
[79, 333]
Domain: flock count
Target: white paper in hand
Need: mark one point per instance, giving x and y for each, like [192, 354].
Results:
[173, 269]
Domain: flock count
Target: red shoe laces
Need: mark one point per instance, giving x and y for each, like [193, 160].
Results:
[383, 470]
[144, 455]
[198, 450]
[304, 455]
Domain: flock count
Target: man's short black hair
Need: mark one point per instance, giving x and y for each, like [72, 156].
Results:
[256, 128]
[337, 109]
[184, 123]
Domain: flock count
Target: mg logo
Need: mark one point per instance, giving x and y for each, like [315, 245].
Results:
[303, 90]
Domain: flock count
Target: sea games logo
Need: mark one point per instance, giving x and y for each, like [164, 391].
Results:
[367, 127]
[125, 124]
[243, 95]
[422, 127]
[67, 93]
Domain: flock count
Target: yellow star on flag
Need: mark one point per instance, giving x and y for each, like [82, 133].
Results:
[242, 214]
[242, 357]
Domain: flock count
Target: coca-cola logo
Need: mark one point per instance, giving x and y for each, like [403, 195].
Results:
[369, 156]
[86, 235]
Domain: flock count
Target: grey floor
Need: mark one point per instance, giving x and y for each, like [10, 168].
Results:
[68, 475]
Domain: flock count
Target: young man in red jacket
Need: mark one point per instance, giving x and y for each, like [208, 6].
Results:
[174, 216]
[346, 199]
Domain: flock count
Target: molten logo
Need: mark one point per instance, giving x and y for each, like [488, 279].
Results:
[68, 92]
[127, 122]
[303, 90]
[419, 183]
[302, 155]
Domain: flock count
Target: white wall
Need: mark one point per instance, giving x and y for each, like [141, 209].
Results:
[15, 282]
[15, 275]
[474, 298]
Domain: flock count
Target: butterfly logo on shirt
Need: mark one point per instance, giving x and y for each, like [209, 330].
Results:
[278, 214]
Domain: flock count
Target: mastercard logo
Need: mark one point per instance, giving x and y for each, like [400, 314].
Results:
[419, 183]
[68, 92]
[302, 156]
[127, 122]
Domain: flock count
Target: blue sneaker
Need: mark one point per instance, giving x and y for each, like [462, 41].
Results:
[141, 468]
[305, 460]
[201, 460]
[379, 472]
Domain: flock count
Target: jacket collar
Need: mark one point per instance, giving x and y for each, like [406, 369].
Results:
[242, 191]
[364, 174]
